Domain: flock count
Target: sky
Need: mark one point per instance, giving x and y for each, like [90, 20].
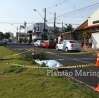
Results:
[15, 12]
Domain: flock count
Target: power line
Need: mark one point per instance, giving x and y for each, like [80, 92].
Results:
[57, 16]
[71, 12]
[13, 23]
[56, 5]
[78, 9]
[35, 10]
[63, 23]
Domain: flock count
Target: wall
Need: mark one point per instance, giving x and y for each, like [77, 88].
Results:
[93, 17]
[95, 40]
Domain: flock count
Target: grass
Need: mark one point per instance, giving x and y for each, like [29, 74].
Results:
[5, 52]
[15, 82]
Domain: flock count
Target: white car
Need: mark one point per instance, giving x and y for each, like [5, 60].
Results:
[66, 45]
[37, 43]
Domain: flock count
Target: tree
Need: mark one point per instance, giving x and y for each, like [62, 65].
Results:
[45, 36]
[7, 35]
[30, 36]
[68, 28]
[56, 30]
[86, 36]
[1, 35]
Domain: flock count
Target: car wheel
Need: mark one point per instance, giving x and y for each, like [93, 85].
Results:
[66, 49]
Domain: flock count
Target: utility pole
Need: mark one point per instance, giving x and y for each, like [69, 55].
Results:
[44, 19]
[17, 29]
[62, 26]
[54, 22]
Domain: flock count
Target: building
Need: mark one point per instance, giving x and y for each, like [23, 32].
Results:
[22, 37]
[39, 27]
[67, 35]
[36, 31]
[84, 31]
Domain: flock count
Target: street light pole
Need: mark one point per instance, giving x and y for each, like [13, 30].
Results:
[44, 20]
[62, 26]
[54, 22]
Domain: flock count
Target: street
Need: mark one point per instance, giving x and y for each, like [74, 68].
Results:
[49, 49]
[63, 57]
[68, 59]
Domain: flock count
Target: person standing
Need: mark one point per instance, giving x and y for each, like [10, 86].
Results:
[60, 39]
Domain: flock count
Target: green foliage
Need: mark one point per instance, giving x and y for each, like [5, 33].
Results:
[4, 36]
[25, 40]
[1, 35]
[68, 28]
[5, 52]
[14, 69]
[56, 30]
[40, 56]
[33, 61]
[28, 56]
[34, 83]
[86, 35]
[7, 35]
[45, 36]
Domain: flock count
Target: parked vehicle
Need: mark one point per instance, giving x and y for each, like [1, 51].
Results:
[11, 42]
[3, 42]
[45, 44]
[67, 45]
[48, 44]
[37, 43]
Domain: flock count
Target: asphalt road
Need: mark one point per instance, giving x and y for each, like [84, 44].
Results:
[68, 59]
[62, 57]
[87, 75]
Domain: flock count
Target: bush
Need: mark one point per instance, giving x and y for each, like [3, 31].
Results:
[28, 56]
[41, 56]
[33, 61]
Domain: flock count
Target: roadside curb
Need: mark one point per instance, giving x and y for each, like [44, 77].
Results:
[83, 83]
